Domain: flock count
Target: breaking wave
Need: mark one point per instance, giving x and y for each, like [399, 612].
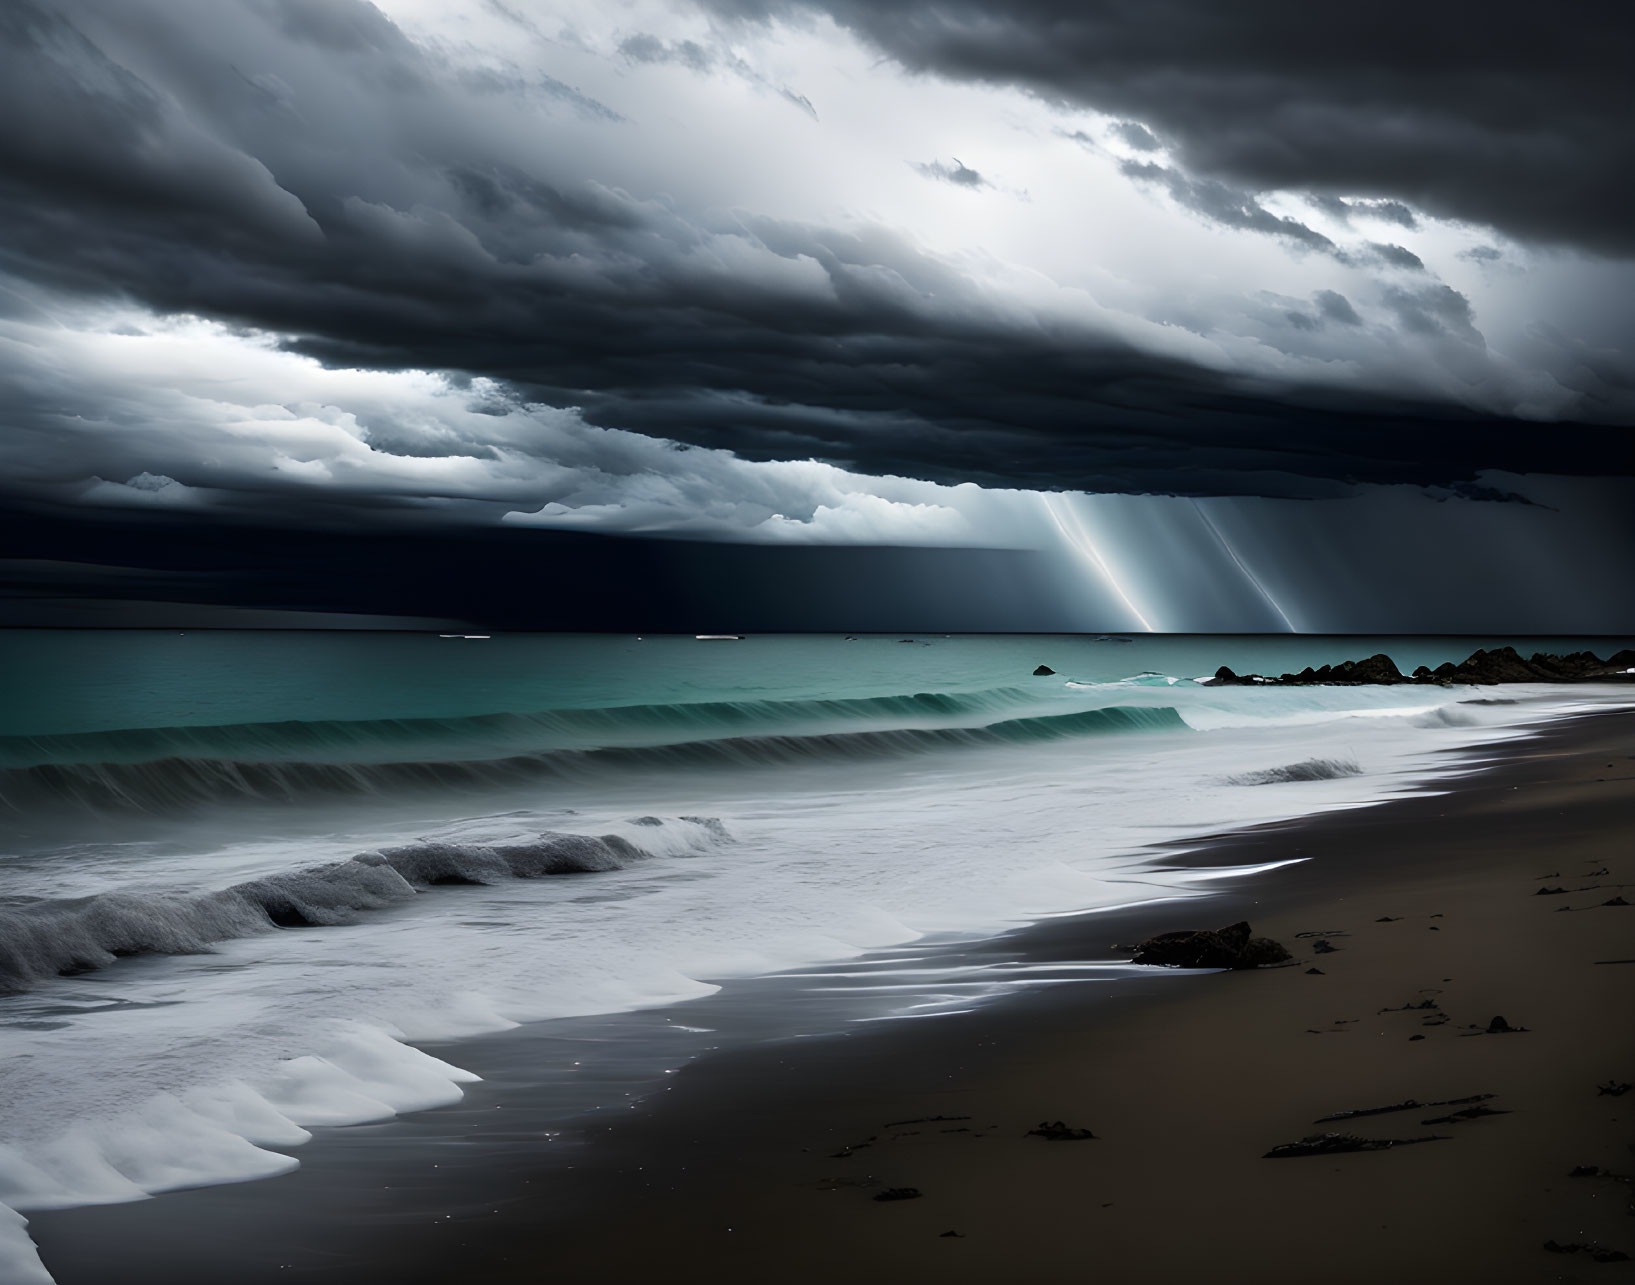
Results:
[179, 782]
[1305, 770]
[51, 937]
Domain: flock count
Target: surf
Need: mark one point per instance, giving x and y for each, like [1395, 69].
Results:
[180, 782]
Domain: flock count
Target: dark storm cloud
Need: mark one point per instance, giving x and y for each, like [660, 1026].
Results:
[1433, 310]
[1228, 205]
[1136, 135]
[1336, 307]
[57, 571]
[1235, 207]
[959, 173]
[1396, 256]
[1497, 112]
[647, 48]
[1386, 211]
[302, 167]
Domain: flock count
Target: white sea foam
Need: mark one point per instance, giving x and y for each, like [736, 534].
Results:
[19, 1261]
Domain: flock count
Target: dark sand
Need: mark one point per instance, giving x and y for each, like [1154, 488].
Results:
[742, 1171]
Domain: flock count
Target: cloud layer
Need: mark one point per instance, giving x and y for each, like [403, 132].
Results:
[382, 196]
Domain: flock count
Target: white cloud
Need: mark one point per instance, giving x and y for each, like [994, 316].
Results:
[121, 407]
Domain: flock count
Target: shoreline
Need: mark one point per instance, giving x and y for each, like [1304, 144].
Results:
[750, 1135]
[751, 1164]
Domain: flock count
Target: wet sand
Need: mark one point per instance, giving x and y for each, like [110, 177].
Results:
[766, 1164]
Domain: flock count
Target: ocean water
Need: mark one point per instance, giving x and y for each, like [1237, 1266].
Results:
[244, 877]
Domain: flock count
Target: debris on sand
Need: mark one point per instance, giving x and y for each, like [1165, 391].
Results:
[1597, 1253]
[1332, 1144]
[1407, 1104]
[899, 1193]
[924, 1119]
[1469, 1113]
[1498, 1026]
[1056, 1131]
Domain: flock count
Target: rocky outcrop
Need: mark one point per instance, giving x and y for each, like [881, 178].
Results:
[1042, 671]
[1481, 667]
[1229, 947]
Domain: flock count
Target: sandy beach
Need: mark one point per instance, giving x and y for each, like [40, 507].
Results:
[770, 1164]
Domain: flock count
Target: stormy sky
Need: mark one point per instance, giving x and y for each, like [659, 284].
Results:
[965, 314]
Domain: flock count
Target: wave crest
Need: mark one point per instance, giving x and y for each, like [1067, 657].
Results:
[1305, 770]
[185, 782]
[48, 938]
[337, 739]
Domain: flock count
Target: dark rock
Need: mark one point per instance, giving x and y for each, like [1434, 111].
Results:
[1502, 665]
[1322, 946]
[1613, 1088]
[1042, 671]
[1615, 901]
[1586, 1171]
[1375, 669]
[1549, 892]
[899, 1193]
[1229, 947]
[1318, 971]
[955, 1234]
[1262, 952]
[1412, 1038]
